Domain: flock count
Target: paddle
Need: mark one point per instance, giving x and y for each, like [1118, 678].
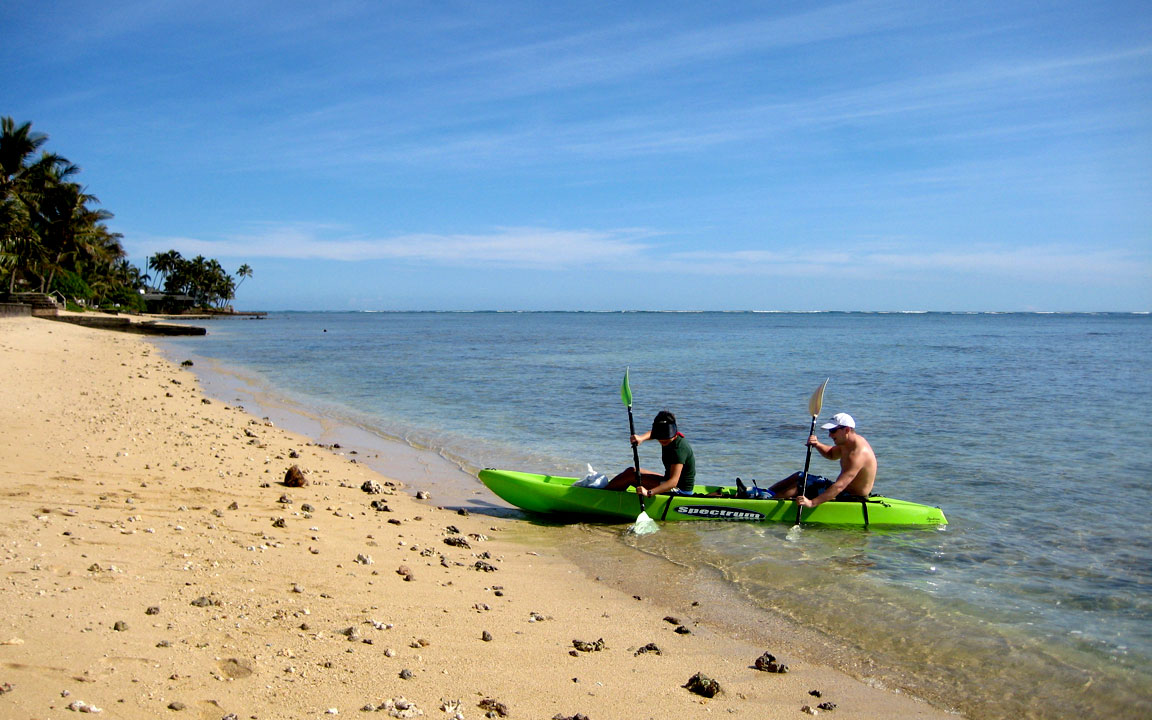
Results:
[814, 404]
[643, 524]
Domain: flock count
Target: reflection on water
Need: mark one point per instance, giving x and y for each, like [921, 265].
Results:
[911, 637]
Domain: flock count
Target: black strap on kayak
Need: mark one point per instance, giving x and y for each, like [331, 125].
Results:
[844, 497]
[667, 505]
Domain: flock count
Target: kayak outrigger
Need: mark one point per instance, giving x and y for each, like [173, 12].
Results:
[550, 494]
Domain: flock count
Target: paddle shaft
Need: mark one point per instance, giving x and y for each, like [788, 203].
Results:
[636, 457]
[804, 479]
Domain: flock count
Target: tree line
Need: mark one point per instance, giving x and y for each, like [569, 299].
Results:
[55, 239]
[201, 279]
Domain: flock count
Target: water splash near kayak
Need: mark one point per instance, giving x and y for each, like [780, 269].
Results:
[793, 534]
[644, 525]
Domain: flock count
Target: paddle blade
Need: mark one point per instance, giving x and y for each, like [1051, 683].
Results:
[817, 400]
[644, 525]
[625, 390]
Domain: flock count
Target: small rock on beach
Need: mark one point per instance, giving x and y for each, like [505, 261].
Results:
[767, 663]
[702, 685]
[294, 477]
[494, 708]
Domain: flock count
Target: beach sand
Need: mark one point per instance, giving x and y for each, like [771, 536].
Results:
[155, 565]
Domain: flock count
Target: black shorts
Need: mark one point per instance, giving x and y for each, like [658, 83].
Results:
[816, 485]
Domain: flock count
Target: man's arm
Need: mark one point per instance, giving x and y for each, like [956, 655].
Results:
[829, 451]
[847, 475]
[670, 481]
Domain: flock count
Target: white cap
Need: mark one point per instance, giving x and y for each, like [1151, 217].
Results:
[839, 420]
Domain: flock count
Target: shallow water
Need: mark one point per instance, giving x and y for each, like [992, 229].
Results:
[1025, 428]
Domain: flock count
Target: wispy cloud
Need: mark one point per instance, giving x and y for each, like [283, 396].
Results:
[996, 101]
[544, 249]
[1074, 265]
[539, 136]
[654, 47]
[524, 248]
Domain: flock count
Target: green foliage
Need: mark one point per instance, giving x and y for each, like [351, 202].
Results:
[52, 237]
[48, 223]
[201, 279]
[126, 298]
[71, 285]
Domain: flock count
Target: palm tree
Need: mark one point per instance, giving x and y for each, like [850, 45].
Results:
[223, 290]
[17, 145]
[68, 226]
[164, 264]
[218, 285]
[102, 264]
[52, 233]
[192, 278]
[18, 240]
[243, 273]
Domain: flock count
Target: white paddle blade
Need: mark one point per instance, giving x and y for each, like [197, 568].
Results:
[644, 525]
[817, 400]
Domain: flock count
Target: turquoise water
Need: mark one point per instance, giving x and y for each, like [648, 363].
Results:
[1026, 428]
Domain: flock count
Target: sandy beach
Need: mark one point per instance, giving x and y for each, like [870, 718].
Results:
[155, 564]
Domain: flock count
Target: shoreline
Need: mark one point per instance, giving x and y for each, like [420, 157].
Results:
[583, 545]
[134, 584]
[418, 467]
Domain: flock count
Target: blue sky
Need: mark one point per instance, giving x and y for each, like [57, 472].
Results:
[867, 155]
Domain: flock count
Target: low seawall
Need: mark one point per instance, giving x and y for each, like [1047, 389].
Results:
[123, 324]
[15, 310]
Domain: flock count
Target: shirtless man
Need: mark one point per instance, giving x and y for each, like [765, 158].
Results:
[857, 466]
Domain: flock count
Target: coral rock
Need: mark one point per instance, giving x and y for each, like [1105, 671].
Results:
[703, 685]
[494, 708]
[767, 663]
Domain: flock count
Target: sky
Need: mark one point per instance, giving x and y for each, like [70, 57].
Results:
[877, 155]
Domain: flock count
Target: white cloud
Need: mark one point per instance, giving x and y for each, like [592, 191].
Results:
[536, 248]
[544, 249]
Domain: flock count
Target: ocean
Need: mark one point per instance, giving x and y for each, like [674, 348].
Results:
[1034, 602]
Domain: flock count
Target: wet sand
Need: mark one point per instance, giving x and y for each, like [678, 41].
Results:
[155, 564]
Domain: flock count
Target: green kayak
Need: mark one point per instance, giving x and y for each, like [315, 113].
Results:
[556, 495]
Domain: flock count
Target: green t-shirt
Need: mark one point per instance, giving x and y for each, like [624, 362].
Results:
[680, 452]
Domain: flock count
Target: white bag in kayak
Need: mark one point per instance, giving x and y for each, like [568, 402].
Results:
[592, 480]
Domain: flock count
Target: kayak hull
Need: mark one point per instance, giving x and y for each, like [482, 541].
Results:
[554, 495]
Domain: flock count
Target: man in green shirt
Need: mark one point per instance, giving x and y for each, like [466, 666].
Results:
[675, 453]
